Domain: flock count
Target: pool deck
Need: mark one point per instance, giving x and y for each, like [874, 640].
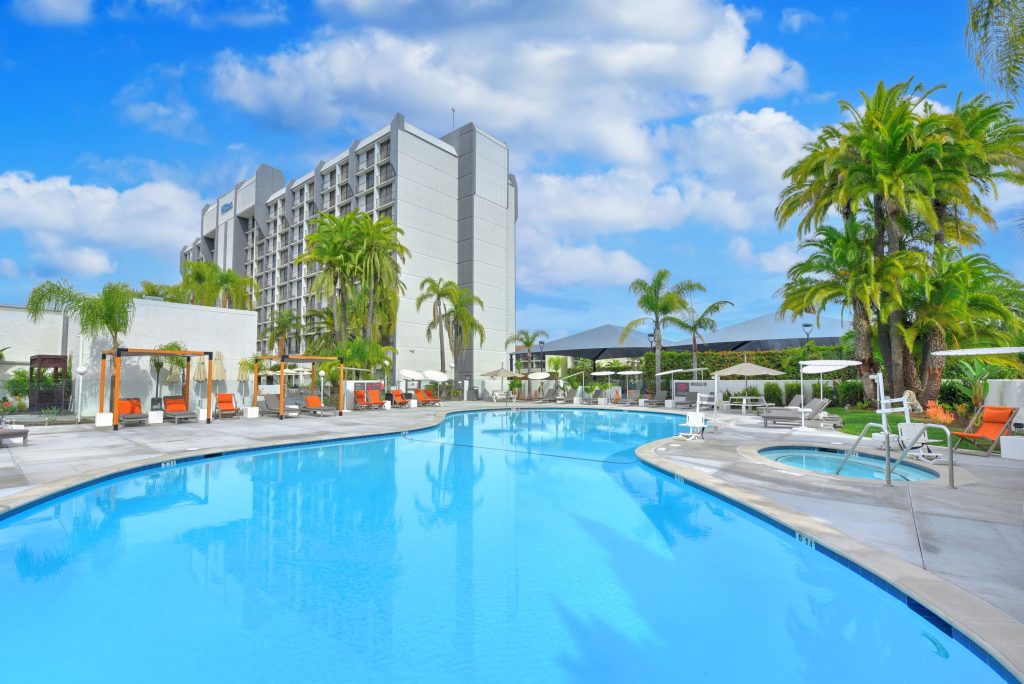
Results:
[971, 536]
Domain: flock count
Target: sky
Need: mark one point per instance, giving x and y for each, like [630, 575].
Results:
[643, 135]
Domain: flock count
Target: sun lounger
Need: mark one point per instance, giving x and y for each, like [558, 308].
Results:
[311, 404]
[995, 422]
[176, 410]
[434, 399]
[421, 397]
[550, 396]
[272, 407]
[373, 398]
[659, 398]
[398, 400]
[11, 433]
[795, 404]
[632, 397]
[595, 397]
[130, 412]
[787, 416]
[226, 407]
[361, 402]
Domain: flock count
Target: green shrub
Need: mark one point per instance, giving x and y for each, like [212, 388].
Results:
[17, 383]
[849, 392]
[748, 392]
[792, 389]
[951, 393]
[773, 393]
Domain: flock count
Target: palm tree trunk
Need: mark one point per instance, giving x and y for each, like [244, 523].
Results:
[933, 366]
[343, 325]
[657, 353]
[862, 349]
[896, 341]
[694, 340]
[369, 312]
[438, 318]
[337, 319]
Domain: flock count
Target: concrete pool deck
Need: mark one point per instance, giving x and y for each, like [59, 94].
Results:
[971, 536]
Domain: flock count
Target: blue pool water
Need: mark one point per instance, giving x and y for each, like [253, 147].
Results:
[864, 466]
[525, 546]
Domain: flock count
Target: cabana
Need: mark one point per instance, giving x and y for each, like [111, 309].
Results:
[282, 359]
[122, 352]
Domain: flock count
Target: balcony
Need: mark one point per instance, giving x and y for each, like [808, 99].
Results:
[387, 173]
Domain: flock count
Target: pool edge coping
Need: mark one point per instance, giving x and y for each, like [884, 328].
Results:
[988, 631]
[998, 635]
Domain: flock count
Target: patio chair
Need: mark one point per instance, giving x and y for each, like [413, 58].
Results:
[549, 397]
[226, 407]
[421, 397]
[373, 398]
[130, 412]
[593, 398]
[685, 399]
[311, 404]
[693, 427]
[398, 400]
[659, 397]
[995, 421]
[11, 433]
[272, 406]
[911, 436]
[632, 397]
[434, 399]
[176, 410]
[788, 416]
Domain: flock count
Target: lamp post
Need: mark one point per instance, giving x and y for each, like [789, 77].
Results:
[650, 341]
[322, 374]
[81, 381]
[451, 383]
[807, 331]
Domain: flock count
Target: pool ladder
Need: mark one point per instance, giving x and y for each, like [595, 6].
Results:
[903, 453]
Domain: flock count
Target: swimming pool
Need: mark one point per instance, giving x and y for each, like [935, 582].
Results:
[498, 546]
[860, 465]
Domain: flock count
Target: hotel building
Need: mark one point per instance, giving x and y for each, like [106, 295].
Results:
[453, 196]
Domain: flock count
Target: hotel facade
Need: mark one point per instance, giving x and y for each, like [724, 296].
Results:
[453, 196]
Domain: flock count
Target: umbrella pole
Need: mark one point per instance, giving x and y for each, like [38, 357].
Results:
[803, 402]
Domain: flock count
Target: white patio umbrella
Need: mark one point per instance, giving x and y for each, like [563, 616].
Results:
[629, 374]
[435, 376]
[745, 370]
[501, 373]
[409, 374]
[821, 366]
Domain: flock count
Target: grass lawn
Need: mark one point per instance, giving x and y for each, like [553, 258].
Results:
[854, 421]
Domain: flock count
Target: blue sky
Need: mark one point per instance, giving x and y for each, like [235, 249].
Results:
[643, 135]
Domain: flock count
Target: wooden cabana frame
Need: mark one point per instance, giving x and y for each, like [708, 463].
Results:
[282, 359]
[124, 351]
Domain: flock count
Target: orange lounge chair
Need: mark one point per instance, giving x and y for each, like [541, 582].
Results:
[995, 420]
[226, 407]
[312, 404]
[176, 409]
[421, 397]
[432, 397]
[397, 399]
[130, 412]
[361, 403]
[374, 399]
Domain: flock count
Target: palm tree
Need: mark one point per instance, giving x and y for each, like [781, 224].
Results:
[461, 324]
[232, 290]
[282, 325]
[439, 291]
[333, 249]
[527, 338]
[996, 42]
[110, 312]
[661, 303]
[844, 270]
[379, 258]
[157, 363]
[695, 323]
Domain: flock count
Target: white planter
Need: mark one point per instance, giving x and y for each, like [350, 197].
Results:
[577, 400]
[602, 401]
[1012, 448]
[104, 420]
[251, 412]
[642, 402]
[413, 403]
[387, 405]
[670, 403]
[156, 417]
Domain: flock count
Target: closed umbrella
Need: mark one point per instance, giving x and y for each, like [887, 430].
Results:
[219, 373]
[199, 370]
[242, 376]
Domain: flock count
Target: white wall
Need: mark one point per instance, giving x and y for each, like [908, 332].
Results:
[199, 328]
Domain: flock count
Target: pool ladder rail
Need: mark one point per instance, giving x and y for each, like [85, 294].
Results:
[904, 451]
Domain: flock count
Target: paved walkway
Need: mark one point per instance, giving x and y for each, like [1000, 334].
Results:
[972, 536]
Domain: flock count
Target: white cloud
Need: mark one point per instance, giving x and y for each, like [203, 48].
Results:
[542, 264]
[210, 13]
[156, 215]
[362, 7]
[86, 261]
[157, 103]
[776, 260]
[528, 76]
[731, 164]
[54, 11]
[793, 20]
[9, 268]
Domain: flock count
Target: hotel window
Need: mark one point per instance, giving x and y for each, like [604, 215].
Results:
[389, 213]
[344, 171]
[368, 203]
[385, 149]
[369, 180]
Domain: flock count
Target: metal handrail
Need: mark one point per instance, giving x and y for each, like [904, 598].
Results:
[949, 449]
[888, 451]
[853, 449]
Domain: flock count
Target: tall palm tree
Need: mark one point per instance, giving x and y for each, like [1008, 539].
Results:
[996, 42]
[527, 338]
[696, 323]
[333, 249]
[439, 292]
[232, 290]
[462, 324]
[380, 258]
[157, 363]
[111, 311]
[661, 303]
[843, 269]
[282, 325]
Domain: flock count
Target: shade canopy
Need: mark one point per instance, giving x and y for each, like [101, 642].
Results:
[435, 376]
[601, 374]
[410, 374]
[628, 373]
[501, 373]
[597, 343]
[822, 366]
[539, 375]
[678, 370]
[769, 332]
[746, 370]
[980, 351]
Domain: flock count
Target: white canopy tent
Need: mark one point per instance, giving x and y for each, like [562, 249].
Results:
[980, 351]
[821, 367]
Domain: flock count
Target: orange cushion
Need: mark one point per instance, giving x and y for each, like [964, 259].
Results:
[124, 405]
[360, 396]
[175, 405]
[997, 414]
[136, 405]
[313, 401]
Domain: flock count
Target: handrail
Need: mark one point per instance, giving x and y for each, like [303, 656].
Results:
[853, 449]
[949, 449]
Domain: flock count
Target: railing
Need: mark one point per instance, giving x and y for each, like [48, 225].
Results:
[903, 453]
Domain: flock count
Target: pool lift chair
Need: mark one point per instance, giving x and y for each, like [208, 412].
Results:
[887, 406]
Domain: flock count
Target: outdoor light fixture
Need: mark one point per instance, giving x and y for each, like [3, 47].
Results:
[650, 339]
[322, 374]
[81, 373]
[807, 330]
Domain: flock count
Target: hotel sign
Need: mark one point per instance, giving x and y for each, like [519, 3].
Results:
[225, 208]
